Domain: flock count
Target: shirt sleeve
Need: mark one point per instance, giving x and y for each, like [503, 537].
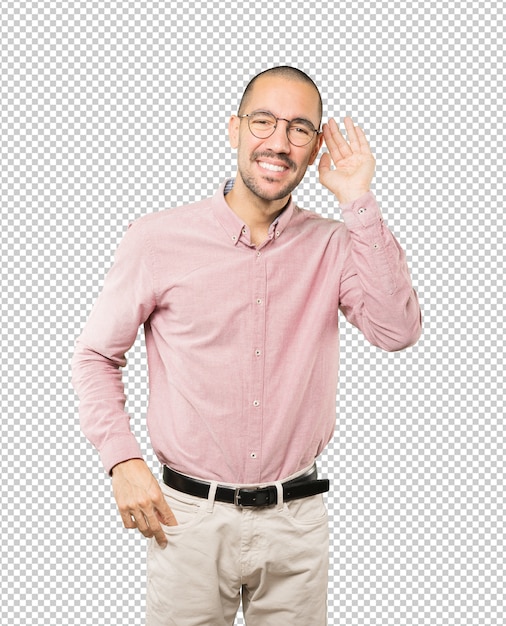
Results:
[376, 292]
[126, 301]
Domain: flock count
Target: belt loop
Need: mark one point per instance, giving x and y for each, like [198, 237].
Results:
[212, 494]
[279, 487]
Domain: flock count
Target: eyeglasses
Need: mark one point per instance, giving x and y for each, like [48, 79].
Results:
[262, 124]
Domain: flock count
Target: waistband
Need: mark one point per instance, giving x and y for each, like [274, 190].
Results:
[302, 486]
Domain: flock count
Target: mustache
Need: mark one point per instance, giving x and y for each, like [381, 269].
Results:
[272, 155]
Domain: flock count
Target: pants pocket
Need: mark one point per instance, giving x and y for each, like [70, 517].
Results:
[308, 511]
[187, 509]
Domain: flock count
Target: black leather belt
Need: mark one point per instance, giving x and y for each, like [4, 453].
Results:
[300, 487]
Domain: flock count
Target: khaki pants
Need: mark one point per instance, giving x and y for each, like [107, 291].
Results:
[276, 558]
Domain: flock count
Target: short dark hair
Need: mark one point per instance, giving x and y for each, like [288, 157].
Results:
[284, 71]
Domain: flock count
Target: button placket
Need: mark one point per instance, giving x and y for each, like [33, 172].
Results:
[256, 385]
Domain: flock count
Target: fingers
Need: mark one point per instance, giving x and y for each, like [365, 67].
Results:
[128, 519]
[362, 140]
[166, 515]
[140, 500]
[336, 143]
[155, 530]
[338, 147]
[351, 131]
[146, 518]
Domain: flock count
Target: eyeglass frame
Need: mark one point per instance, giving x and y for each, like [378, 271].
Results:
[281, 119]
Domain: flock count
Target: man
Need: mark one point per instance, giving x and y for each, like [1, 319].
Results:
[239, 296]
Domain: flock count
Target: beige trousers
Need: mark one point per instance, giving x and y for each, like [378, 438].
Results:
[274, 558]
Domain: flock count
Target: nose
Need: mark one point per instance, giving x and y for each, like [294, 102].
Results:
[278, 141]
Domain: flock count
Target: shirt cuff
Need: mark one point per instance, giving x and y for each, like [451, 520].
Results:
[118, 450]
[362, 212]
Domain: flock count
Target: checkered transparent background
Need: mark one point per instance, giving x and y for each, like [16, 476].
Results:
[110, 110]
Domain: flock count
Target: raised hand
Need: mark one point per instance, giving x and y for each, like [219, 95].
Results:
[353, 161]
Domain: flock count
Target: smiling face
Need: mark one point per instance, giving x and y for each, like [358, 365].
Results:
[271, 168]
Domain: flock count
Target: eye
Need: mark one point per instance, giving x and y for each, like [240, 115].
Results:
[262, 120]
[301, 130]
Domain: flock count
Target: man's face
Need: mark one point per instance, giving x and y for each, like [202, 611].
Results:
[271, 168]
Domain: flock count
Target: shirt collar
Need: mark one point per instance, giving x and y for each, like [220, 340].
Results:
[231, 222]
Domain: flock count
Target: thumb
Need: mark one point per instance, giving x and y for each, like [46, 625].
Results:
[324, 165]
[166, 515]
[164, 512]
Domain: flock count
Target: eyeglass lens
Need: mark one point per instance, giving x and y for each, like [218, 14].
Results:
[263, 125]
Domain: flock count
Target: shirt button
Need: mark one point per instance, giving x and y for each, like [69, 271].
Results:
[256, 403]
[253, 455]
[362, 210]
[258, 352]
[375, 246]
[234, 238]
[277, 233]
[259, 253]
[243, 231]
[259, 300]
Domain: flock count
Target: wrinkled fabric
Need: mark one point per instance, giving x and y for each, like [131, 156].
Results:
[242, 341]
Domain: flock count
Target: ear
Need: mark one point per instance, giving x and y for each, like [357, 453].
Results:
[233, 131]
[316, 149]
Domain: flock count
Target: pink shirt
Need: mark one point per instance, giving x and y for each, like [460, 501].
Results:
[242, 342]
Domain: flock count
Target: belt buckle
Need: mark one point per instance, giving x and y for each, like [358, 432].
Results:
[237, 496]
[253, 501]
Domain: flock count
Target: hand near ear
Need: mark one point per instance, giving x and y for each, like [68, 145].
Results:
[354, 163]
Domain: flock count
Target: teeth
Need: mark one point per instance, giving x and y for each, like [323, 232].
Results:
[270, 166]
